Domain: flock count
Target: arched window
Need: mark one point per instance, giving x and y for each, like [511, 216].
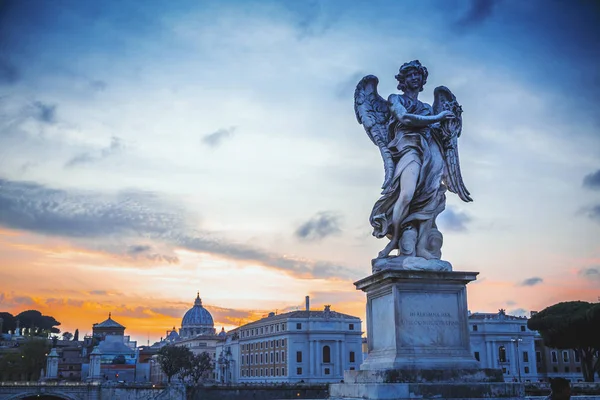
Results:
[502, 354]
[326, 354]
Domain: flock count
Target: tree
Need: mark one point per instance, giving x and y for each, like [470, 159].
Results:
[572, 325]
[67, 336]
[26, 362]
[198, 366]
[42, 324]
[9, 322]
[173, 359]
[76, 335]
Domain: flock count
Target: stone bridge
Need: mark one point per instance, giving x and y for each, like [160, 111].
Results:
[88, 391]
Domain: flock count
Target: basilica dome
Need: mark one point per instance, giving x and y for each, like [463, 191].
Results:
[197, 321]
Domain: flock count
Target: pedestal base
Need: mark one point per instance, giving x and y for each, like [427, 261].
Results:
[417, 320]
[411, 391]
[418, 341]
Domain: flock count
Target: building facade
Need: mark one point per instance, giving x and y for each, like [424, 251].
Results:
[554, 363]
[299, 346]
[503, 341]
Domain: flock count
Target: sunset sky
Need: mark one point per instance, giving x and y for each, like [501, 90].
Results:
[150, 150]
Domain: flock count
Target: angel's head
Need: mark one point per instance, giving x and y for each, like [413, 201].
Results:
[409, 75]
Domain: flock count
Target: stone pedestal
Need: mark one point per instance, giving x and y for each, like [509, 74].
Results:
[418, 341]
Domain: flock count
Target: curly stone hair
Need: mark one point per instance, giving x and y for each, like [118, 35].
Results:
[403, 72]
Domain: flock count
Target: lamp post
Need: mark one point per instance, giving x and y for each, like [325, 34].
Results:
[516, 341]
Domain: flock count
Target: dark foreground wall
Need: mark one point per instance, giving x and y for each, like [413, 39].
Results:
[258, 393]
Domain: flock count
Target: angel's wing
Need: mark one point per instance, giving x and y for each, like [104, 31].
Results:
[447, 135]
[372, 112]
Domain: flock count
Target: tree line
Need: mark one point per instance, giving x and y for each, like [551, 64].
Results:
[572, 325]
[180, 361]
[32, 321]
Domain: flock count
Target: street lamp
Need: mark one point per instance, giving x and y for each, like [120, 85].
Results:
[516, 341]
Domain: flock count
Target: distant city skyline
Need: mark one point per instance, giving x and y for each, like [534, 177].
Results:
[152, 150]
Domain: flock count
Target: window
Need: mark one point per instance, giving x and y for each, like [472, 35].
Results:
[277, 328]
[503, 370]
[299, 371]
[261, 345]
[283, 356]
[251, 358]
[262, 372]
[522, 328]
[277, 343]
[576, 358]
[283, 371]
[351, 327]
[475, 328]
[525, 356]
[554, 357]
[283, 327]
[298, 356]
[276, 357]
[578, 369]
[538, 356]
[282, 342]
[327, 371]
[352, 368]
[502, 354]
[476, 354]
[276, 371]
[565, 356]
[555, 369]
[298, 325]
[526, 369]
[261, 358]
[567, 369]
[352, 356]
[242, 360]
[326, 354]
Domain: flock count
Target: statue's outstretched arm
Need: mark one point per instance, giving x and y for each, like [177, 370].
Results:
[408, 119]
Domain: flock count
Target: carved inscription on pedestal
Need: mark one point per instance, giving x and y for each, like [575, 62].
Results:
[429, 320]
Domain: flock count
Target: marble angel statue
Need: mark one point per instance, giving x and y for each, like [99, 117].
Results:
[419, 146]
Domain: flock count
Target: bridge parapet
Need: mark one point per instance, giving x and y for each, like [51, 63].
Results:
[90, 391]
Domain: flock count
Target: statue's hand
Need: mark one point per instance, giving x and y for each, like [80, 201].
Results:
[445, 115]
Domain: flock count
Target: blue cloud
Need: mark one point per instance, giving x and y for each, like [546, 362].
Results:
[453, 220]
[319, 227]
[592, 181]
[531, 281]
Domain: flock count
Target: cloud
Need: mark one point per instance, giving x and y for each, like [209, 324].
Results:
[531, 281]
[216, 138]
[320, 226]
[593, 212]
[136, 249]
[510, 303]
[98, 221]
[478, 12]
[454, 221]
[590, 273]
[592, 181]
[45, 112]
[116, 146]
[57, 302]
